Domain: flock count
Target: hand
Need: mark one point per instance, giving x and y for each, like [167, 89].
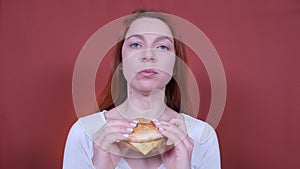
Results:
[105, 140]
[180, 155]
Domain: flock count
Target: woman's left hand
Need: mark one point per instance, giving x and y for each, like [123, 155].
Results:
[180, 155]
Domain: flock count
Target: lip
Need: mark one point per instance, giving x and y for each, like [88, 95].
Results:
[147, 72]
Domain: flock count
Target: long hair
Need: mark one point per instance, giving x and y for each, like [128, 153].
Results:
[173, 95]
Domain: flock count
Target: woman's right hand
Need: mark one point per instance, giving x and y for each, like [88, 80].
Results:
[105, 140]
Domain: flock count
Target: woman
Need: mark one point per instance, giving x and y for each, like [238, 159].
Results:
[147, 81]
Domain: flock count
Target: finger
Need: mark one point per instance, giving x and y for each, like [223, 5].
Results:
[108, 145]
[172, 132]
[119, 126]
[121, 130]
[105, 141]
[177, 121]
[107, 132]
[121, 123]
[113, 131]
[162, 124]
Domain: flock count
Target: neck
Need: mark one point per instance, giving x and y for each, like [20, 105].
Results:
[141, 105]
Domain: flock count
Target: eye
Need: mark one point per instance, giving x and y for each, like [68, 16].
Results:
[163, 47]
[135, 45]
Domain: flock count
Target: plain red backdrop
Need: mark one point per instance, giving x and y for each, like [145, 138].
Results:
[258, 42]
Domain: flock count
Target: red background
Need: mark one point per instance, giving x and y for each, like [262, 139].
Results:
[258, 42]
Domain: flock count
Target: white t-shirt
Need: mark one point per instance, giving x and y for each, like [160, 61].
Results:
[79, 146]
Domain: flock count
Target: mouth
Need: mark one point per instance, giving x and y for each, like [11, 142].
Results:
[147, 72]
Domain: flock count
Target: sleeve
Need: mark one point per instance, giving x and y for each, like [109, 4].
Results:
[78, 149]
[211, 155]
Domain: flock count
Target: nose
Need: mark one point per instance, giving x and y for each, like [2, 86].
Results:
[148, 56]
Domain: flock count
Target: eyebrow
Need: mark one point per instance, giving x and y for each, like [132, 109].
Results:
[156, 39]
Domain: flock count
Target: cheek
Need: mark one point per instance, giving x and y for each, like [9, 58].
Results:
[130, 65]
[128, 69]
[126, 64]
[124, 52]
[166, 64]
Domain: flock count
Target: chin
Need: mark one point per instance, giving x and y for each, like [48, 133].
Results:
[147, 86]
[148, 89]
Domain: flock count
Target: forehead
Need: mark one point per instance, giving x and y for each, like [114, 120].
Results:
[148, 25]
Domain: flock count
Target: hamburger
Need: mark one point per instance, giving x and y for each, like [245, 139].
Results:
[145, 136]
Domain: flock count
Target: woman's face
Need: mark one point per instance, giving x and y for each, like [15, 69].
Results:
[148, 55]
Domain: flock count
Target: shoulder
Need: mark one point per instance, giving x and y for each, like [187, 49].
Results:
[199, 130]
[79, 145]
[87, 125]
[206, 153]
[93, 122]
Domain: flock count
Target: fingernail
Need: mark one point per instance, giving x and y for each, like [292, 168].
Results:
[135, 121]
[129, 129]
[126, 135]
[157, 123]
[161, 129]
[133, 124]
[118, 141]
[155, 120]
[169, 142]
